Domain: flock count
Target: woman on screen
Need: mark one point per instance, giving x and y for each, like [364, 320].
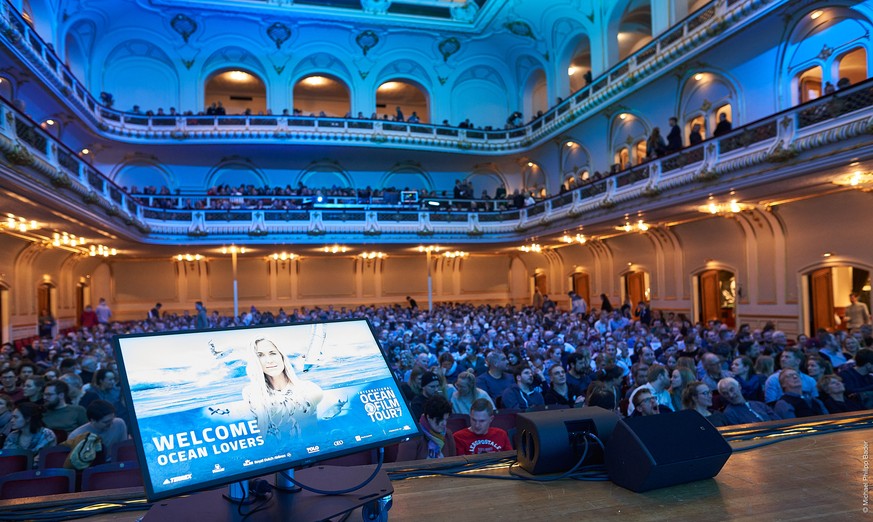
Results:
[282, 403]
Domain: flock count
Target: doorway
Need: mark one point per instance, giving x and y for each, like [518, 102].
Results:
[718, 297]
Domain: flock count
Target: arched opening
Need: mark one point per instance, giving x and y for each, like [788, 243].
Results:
[4, 314]
[321, 95]
[82, 298]
[540, 282]
[536, 96]
[622, 158]
[582, 286]
[534, 180]
[639, 152]
[717, 297]
[6, 88]
[634, 28]
[579, 69]
[827, 296]
[237, 91]
[636, 287]
[853, 66]
[405, 96]
[45, 299]
[809, 84]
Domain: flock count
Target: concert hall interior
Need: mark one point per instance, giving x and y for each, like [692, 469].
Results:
[711, 159]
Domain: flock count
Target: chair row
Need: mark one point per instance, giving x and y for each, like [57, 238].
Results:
[56, 481]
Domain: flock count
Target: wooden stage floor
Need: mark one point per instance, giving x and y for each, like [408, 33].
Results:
[821, 477]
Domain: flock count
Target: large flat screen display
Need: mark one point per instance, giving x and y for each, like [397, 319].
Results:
[215, 407]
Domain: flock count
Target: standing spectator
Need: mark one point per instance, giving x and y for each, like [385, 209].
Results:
[398, 115]
[857, 313]
[155, 313]
[655, 144]
[202, 321]
[88, 319]
[46, 324]
[480, 437]
[103, 312]
[674, 138]
[724, 125]
[695, 137]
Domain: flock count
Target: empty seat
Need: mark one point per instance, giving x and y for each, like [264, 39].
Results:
[123, 451]
[37, 483]
[12, 460]
[125, 474]
[53, 456]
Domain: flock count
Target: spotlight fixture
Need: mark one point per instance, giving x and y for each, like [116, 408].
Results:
[578, 238]
[640, 226]
[233, 249]
[728, 208]
[284, 256]
[532, 247]
[335, 249]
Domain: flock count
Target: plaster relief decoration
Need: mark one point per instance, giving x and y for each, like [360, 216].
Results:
[377, 7]
[278, 33]
[520, 28]
[366, 40]
[448, 47]
[465, 13]
[183, 25]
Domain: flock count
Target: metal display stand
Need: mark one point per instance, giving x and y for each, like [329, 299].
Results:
[374, 499]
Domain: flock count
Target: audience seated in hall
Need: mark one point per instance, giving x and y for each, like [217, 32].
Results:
[479, 343]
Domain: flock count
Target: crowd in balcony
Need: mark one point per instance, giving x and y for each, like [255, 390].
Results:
[249, 197]
[463, 361]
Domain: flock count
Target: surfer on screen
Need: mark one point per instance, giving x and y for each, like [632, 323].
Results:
[282, 403]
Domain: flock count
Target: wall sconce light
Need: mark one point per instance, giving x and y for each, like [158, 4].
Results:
[284, 256]
[728, 208]
[188, 257]
[532, 247]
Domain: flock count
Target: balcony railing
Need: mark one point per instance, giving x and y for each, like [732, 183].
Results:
[694, 32]
[31, 151]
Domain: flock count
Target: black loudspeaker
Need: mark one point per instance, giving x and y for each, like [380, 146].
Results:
[553, 441]
[663, 450]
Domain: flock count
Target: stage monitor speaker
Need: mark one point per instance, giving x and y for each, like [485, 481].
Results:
[653, 452]
[554, 440]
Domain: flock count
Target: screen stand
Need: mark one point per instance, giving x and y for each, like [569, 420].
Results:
[283, 483]
[374, 499]
[238, 491]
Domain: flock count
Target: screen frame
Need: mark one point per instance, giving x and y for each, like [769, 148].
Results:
[305, 460]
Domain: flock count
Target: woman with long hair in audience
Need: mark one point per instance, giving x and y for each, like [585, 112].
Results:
[832, 393]
[466, 392]
[765, 365]
[679, 380]
[412, 387]
[817, 366]
[7, 405]
[28, 431]
[751, 383]
[33, 389]
[698, 397]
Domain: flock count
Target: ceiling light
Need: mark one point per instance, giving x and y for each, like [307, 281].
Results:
[389, 86]
[816, 14]
[314, 81]
[571, 70]
[698, 76]
[239, 76]
[85, 152]
[827, 254]
[49, 122]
